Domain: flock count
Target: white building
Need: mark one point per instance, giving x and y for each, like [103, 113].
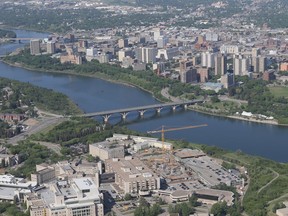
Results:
[240, 65]
[168, 53]
[67, 198]
[230, 49]
[208, 59]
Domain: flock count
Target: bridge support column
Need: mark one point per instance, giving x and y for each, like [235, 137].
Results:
[141, 113]
[124, 115]
[159, 110]
[174, 108]
[106, 118]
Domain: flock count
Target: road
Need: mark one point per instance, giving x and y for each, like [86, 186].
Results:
[277, 176]
[41, 125]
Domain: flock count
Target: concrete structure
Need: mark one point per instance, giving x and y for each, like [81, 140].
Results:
[188, 76]
[162, 42]
[168, 53]
[132, 176]
[67, 198]
[228, 80]
[220, 64]
[282, 212]
[208, 59]
[230, 49]
[157, 33]
[240, 65]
[141, 110]
[212, 196]
[91, 51]
[204, 74]
[43, 174]
[13, 189]
[35, 47]
[122, 43]
[146, 54]
[51, 48]
[106, 150]
[211, 37]
[124, 53]
[269, 75]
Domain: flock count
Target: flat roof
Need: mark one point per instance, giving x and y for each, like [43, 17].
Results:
[227, 196]
[84, 183]
[130, 169]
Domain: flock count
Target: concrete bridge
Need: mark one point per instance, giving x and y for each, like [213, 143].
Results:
[141, 109]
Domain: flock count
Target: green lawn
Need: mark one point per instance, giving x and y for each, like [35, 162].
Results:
[279, 91]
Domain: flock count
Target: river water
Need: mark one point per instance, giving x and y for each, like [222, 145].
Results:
[93, 94]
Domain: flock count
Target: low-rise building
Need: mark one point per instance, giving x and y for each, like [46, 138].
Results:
[106, 150]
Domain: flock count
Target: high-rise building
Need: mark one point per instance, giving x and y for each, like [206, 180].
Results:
[204, 74]
[51, 47]
[35, 47]
[185, 65]
[162, 42]
[146, 54]
[188, 76]
[124, 53]
[255, 52]
[220, 64]
[228, 80]
[91, 51]
[262, 64]
[157, 32]
[208, 59]
[83, 43]
[211, 37]
[122, 43]
[240, 65]
[269, 75]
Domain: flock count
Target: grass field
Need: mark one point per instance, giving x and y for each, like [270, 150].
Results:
[279, 91]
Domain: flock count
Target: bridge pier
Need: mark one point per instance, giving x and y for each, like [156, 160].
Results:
[141, 112]
[124, 115]
[106, 118]
[159, 110]
[174, 108]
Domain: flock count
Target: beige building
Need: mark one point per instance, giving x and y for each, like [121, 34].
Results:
[79, 197]
[132, 175]
[106, 150]
[35, 47]
[43, 174]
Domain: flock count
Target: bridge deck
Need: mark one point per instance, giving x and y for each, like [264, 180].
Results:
[131, 109]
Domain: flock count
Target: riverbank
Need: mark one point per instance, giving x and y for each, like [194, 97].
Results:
[165, 95]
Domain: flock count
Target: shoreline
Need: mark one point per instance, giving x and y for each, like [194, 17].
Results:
[139, 87]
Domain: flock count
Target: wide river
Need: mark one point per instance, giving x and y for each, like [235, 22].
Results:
[93, 94]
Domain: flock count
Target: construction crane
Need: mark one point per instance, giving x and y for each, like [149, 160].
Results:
[163, 130]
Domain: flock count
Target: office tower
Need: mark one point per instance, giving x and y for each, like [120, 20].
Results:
[157, 33]
[185, 65]
[91, 51]
[220, 64]
[51, 47]
[83, 43]
[162, 42]
[35, 47]
[228, 80]
[146, 54]
[188, 76]
[123, 43]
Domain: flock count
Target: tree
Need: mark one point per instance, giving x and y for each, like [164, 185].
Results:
[215, 99]
[219, 209]
[127, 197]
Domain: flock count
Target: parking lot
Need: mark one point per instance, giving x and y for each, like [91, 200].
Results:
[210, 172]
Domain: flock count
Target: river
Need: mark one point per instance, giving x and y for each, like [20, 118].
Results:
[93, 94]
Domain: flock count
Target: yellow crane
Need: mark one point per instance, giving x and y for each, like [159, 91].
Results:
[163, 130]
